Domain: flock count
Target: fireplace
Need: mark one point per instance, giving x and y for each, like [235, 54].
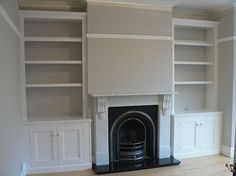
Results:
[132, 134]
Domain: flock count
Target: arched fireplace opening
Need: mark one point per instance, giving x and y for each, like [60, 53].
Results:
[133, 134]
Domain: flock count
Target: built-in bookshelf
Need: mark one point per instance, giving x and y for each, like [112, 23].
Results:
[195, 66]
[53, 59]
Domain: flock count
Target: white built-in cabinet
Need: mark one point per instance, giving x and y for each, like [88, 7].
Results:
[59, 145]
[197, 134]
[196, 122]
[56, 130]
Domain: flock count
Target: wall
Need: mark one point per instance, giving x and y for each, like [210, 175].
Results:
[124, 65]
[10, 113]
[227, 79]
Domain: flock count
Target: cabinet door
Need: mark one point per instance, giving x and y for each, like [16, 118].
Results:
[209, 132]
[187, 135]
[43, 146]
[71, 144]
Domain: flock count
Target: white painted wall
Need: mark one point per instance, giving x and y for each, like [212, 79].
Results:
[227, 80]
[10, 113]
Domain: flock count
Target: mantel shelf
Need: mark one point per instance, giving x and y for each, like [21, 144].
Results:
[192, 82]
[53, 39]
[192, 63]
[39, 62]
[193, 43]
[53, 85]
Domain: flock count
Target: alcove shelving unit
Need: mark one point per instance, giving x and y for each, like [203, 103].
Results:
[196, 121]
[56, 131]
[53, 65]
[195, 66]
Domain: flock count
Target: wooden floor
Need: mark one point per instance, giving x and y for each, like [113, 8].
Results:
[202, 166]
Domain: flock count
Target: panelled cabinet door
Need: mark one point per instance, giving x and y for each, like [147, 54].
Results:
[208, 133]
[71, 144]
[187, 135]
[43, 146]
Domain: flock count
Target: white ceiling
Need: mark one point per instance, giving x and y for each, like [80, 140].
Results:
[203, 4]
[195, 4]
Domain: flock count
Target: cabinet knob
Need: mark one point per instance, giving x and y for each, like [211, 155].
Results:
[54, 134]
[197, 124]
[201, 124]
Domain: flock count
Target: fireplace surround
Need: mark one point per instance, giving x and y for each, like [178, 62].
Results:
[127, 107]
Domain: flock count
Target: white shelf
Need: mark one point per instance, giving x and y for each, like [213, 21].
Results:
[192, 63]
[193, 43]
[53, 39]
[55, 118]
[53, 85]
[196, 112]
[192, 82]
[40, 62]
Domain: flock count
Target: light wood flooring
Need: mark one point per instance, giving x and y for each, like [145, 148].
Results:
[202, 166]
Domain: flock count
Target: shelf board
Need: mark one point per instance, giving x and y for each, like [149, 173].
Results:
[192, 63]
[193, 43]
[192, 82]
[39, 62]
[53, 85]
[55, 118]
[195, 112]
[53, 39]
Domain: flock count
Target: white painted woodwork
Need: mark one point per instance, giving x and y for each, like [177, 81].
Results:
[192, 23]
[52, 39]
[123, 36]
[57, 145]
[66, 5]
[197, 134]
[192, 63]
[192, 82]
[43, 146]
[53, 63]
[54, 85]
[187, 135]
[193, 43]
[195, 65]
[71, 144]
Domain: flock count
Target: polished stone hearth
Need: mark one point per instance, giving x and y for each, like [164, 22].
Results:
[147, 164]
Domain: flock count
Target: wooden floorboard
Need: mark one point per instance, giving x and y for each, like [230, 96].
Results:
[202, 166]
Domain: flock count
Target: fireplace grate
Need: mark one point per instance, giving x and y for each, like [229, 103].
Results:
[132, 151]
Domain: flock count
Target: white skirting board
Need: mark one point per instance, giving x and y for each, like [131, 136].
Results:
[227, 151]
[53, 169]
[197, 154]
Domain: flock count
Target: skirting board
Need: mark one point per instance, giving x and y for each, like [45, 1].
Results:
[196, 154]
[53, 169]
[227, 151]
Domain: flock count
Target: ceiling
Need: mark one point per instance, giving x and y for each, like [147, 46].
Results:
[203, 4]
[214, 5]
[193, 4]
